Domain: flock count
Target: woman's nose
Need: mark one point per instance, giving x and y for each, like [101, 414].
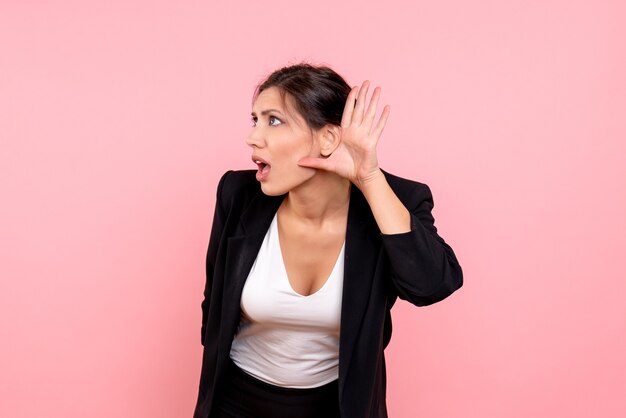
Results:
[254, 138]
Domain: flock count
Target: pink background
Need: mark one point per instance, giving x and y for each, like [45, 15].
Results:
[117, 118]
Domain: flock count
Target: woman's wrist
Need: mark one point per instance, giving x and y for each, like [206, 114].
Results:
[372, 182]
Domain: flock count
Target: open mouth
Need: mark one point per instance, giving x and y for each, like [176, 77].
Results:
[263, 168]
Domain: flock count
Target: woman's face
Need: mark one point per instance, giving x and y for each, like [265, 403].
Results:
[279, 138]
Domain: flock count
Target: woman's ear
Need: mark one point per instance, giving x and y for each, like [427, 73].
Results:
[330, 138]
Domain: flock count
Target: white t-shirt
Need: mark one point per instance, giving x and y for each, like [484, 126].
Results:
[284, 338]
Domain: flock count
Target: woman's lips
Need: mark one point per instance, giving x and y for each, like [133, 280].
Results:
[264, 168]
[264, 171]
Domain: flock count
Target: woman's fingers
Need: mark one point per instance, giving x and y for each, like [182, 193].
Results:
[356, 113]
[371, 109]
[348, 109]
[357, 116]
[378, 130]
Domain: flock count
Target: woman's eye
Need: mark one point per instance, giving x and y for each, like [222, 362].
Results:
[253, 122]
[275, 121]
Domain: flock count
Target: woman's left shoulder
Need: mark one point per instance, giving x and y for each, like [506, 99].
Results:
[408, 190]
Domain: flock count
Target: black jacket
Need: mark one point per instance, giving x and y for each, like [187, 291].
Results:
[417, 266]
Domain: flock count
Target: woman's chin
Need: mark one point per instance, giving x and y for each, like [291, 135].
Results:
[268, 190]
[271, 187]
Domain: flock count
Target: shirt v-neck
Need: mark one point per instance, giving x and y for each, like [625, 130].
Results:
[276, 238]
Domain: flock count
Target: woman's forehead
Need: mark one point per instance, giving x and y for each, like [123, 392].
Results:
[271, 98]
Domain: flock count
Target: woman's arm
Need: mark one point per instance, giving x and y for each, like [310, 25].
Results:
[391, 215]
[219, 217]
[425, 269]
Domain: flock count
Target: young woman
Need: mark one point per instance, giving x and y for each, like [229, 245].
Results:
[308, 254]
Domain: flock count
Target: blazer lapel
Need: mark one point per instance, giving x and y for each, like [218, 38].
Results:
[242, 249]
[361, 256]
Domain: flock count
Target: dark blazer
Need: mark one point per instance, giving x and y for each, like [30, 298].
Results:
[417, 266]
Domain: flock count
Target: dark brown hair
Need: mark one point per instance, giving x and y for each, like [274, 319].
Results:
[319, 92]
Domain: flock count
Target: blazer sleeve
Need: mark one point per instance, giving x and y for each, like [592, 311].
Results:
[219, 218]
[424, 268]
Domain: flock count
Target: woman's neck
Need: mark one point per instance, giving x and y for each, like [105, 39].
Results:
[324, 196]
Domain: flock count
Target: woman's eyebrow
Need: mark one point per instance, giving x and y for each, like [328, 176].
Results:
[266, 111]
